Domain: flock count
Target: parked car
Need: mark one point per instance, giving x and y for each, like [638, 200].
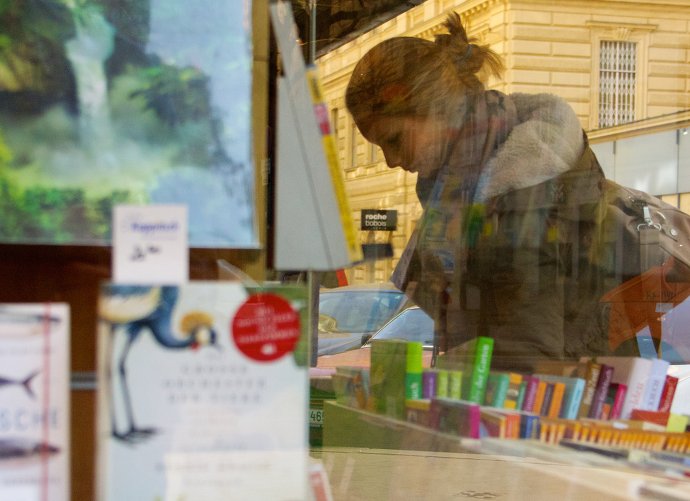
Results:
[349, 315]
[411, 324]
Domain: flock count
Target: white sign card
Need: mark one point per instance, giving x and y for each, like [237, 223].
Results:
[150, 244]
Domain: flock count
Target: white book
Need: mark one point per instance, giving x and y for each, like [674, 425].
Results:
[203, 392]
[34, 402]
[655, 384]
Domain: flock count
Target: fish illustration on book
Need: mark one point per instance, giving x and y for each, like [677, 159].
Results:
[24, 383]
[22, 448]
[18, 323]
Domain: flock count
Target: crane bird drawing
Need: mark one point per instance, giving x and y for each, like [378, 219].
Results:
[132, 311]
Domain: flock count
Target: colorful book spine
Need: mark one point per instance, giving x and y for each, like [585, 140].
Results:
[591, 376]
[599, 397]
[633, 372]
[539, 397]
[529, 425]
[521, 394]
[442, 383]
[546, 402]
[655, 384]
[496, 389]
[457, 417]
[429, 383]
[455, 384]
[513, 394]
[556, 399]
[531, 385]
[618, 400]
[413, 372]
[479, 369]
[666, 400]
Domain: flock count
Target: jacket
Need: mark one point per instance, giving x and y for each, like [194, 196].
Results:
[527, 257]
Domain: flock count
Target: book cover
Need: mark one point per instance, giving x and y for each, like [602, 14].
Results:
[655, 384]
[599, 397]
[572, 396]
[614, 401]
[202, 392]
[633, 372]
[513, 394]
[413, 370]
[34, 401]
[521, 394]
[591, 377]
[455, 382]
[429, 383]
[539, 397]
[457, 417]
[556, 399]
[529, 425]
[492, 423]
[442, 383]
[618, 400]
[531, 386]
[496, 388]
[474, 359]
[666, 400]
[546, 402]
[387, 376]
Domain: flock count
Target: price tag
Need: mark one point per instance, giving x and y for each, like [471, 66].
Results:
[150, 244]
[316, 417]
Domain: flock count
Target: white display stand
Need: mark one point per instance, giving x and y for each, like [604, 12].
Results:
[313, 225]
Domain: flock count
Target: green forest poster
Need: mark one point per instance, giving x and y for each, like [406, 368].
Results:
[106, 102]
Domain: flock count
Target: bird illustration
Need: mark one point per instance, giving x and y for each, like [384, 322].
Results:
[133, 310]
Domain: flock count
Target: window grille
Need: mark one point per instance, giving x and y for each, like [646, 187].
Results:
[617, 68]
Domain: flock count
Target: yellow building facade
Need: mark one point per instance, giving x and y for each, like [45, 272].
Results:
[623, 66]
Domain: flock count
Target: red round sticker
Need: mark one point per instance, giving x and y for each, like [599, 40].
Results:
[266, 327]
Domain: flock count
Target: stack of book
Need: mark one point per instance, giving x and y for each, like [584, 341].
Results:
[611, 401]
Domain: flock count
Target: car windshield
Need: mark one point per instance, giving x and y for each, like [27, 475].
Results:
[410, 325]
[357, 311]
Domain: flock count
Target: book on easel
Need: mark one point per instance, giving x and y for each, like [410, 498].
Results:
[34, 401]
[203, 391]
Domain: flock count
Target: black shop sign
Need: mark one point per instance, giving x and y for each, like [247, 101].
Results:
[379, 220]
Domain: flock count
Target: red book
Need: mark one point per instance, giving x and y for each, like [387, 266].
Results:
[655, 417]
[668, 393]
[601, 390]
[618, 399]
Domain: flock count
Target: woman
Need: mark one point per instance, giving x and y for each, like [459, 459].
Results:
[511, 243]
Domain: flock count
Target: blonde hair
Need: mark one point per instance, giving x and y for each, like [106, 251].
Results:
[412, 76]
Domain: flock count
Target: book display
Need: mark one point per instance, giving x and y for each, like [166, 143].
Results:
[34, 402]
[637, 430]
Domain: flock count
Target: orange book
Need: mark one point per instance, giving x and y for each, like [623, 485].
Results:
[556, 400]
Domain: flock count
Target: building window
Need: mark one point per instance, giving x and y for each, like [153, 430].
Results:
[617, 82]
[353, 145]
[373, 153]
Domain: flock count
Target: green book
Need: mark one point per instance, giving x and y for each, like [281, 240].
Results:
[496, 388]
[413, 374]
[474, 359]
[387, 376]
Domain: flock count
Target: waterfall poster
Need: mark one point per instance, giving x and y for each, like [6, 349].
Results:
[106, 102]
[34, 402]
[202, 392]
